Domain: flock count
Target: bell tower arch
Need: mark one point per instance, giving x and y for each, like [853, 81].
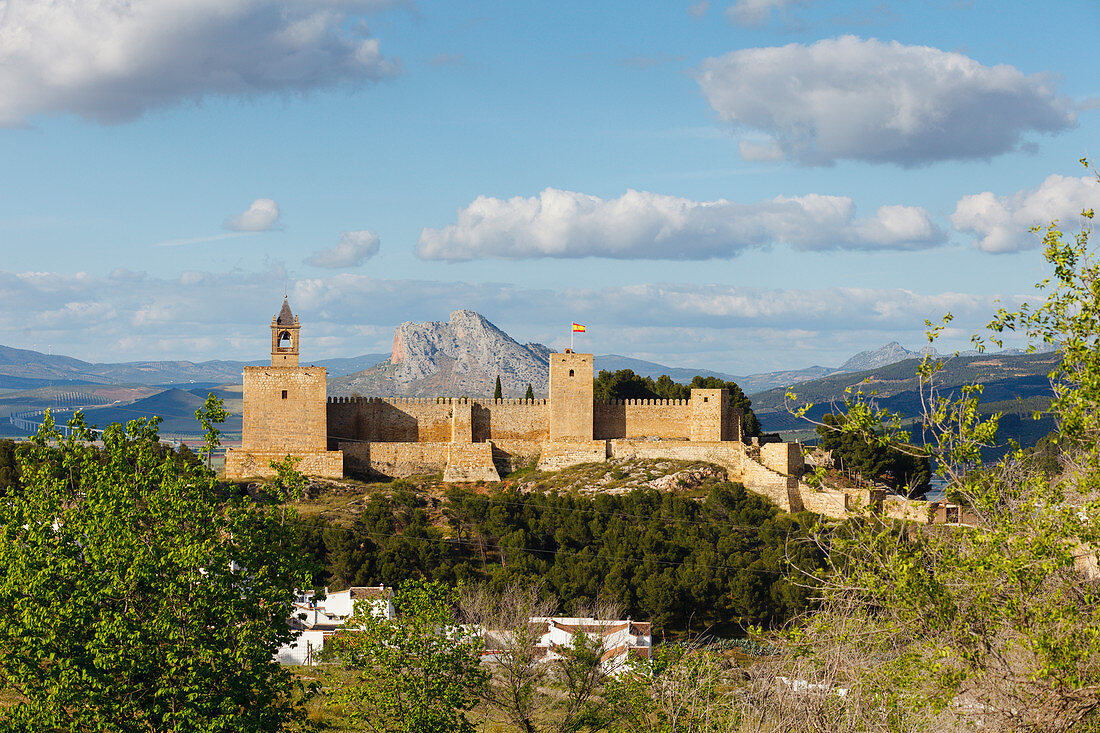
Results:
[284, 337]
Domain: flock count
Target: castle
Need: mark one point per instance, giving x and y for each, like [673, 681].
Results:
[286, 412]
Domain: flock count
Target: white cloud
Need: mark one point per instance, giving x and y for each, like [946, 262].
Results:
[206, 315]
[767, 151]
[643, 225]
[111, 60]
[261, 215]
[757, 12]
[698, 9]
[1003, 223]
[855, 99]
[351, 251]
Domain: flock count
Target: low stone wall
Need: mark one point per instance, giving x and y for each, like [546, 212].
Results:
[510, 455]
[827, 502]
[240, 464]
[727, 454]
[396, 460]
[784, 491]
[784, 458]
[356, 458]
[560, 454]
[470, 462]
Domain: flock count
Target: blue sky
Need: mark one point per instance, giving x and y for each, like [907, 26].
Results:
[743, 185]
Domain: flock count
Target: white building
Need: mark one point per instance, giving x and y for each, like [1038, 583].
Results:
[316, 620]
[621, 640]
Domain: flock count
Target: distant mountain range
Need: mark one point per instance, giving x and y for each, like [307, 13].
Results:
[26, 369]
[1015, 384]
[461, 356]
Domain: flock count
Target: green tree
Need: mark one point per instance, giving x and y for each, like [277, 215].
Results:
[9, 467]
[498, 391]
[998, 620]
[136, 598]
[418, 673]
[623, 384]
[902, 471]
[530, 395]
[210, 415]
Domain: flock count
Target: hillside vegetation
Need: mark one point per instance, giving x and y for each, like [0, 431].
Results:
[717, 562]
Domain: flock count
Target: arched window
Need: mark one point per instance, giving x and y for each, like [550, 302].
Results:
[570, 372]
[284, 340]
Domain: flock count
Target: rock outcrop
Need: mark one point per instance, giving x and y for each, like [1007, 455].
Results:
[461, 357]
[885, 355]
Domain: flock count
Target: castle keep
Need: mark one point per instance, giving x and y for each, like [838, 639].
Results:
[286, 412]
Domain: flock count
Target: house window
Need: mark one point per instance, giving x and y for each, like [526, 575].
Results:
[284, 394]
[705, 399]
[570, 372]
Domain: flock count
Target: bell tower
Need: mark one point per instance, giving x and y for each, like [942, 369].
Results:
[285, 411]
[284, 337]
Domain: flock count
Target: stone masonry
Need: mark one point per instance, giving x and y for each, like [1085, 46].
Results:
[285, 411]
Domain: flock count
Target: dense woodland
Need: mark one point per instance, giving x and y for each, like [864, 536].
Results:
[687, 565]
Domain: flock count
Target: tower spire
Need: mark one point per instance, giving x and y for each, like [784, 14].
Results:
[284, 336]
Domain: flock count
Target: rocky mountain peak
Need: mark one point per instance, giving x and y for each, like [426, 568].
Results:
[890, 353]
[460, 356]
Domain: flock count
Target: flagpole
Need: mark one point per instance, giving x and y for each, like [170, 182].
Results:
[570, 336]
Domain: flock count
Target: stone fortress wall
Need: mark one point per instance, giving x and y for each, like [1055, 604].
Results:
[472, 439]
[287, 413]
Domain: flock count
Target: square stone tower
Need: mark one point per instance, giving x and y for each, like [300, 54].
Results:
[709, 419]
[571, 396]
[285, 411]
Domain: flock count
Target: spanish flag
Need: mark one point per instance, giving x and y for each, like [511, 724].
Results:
[578, 328]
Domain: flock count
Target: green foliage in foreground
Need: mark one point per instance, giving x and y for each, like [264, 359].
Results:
[624, 384]
[997, 624]
[9, 467]
[681, 563]
[134, 598]
[418, 673]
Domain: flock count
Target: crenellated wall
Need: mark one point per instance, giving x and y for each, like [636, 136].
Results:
[389, 420]
[666, 419]
[428, 420]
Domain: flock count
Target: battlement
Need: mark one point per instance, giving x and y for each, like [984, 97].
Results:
[448, 401]
[654, 403]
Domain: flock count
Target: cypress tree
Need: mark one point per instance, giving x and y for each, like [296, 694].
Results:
[530, 393]
[498, 393]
